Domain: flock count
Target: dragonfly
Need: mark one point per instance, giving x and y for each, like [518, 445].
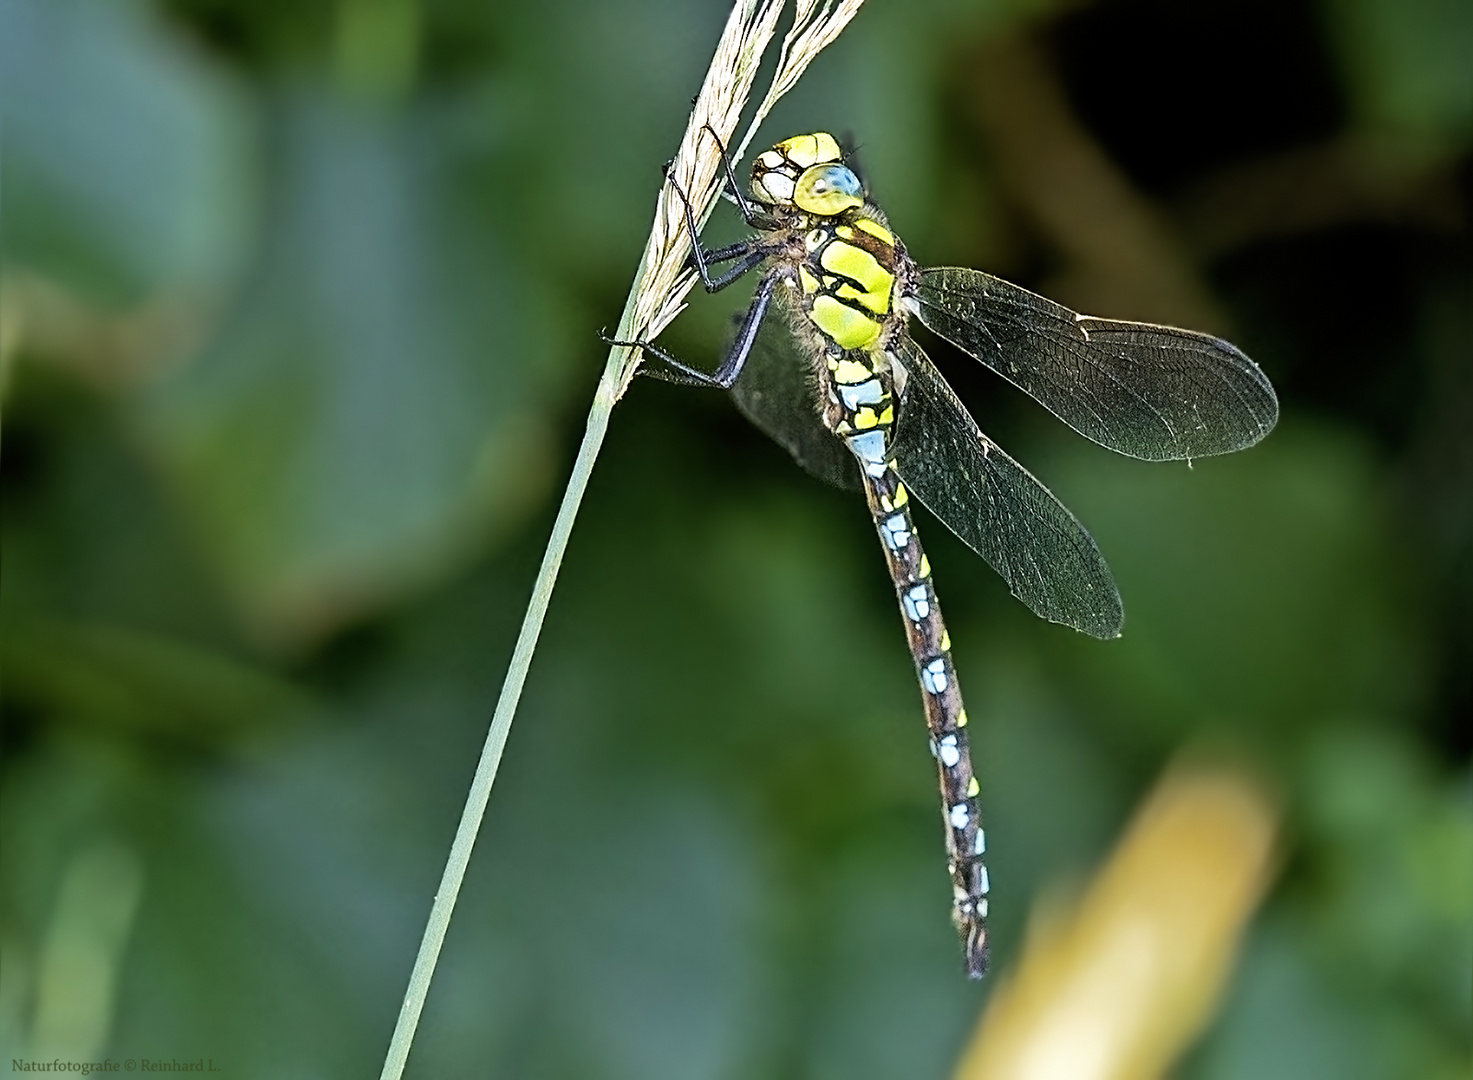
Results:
[852, 396]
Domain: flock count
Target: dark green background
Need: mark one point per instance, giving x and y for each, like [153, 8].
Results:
[300, 307]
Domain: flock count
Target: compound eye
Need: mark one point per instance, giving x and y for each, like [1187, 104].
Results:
[773, 187]
[828, 190]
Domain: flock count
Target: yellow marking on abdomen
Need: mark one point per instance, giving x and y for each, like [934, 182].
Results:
[848, 371]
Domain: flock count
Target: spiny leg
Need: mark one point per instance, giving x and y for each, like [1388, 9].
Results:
[736, 357]
[754, 218]
[747, 253]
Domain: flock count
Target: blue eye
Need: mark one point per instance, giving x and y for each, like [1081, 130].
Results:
[838, 178]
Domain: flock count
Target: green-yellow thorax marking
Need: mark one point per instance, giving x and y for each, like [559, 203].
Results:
[848, 279]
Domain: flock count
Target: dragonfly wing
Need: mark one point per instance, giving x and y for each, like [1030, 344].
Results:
[1151, 392]
[775, 391]
[996, 506]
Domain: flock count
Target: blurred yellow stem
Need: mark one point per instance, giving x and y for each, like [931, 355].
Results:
[1117, 988]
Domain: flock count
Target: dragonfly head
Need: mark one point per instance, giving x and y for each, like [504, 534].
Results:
[807, 171]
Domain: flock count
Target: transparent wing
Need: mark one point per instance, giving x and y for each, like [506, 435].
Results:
[1151, 392]
[775, 391]
[996, 506]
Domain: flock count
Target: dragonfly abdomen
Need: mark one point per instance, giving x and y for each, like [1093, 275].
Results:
[859, 396]
[946, 717]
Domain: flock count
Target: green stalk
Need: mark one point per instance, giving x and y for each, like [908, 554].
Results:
[506, 707]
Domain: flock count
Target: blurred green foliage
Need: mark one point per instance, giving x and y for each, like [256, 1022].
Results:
[299, 308]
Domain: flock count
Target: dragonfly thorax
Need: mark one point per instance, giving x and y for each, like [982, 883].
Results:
[848, 278]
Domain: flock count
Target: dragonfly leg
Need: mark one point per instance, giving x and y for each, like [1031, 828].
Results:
[745, 257]
[736, 357]
[755, 218]
[746, 254]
